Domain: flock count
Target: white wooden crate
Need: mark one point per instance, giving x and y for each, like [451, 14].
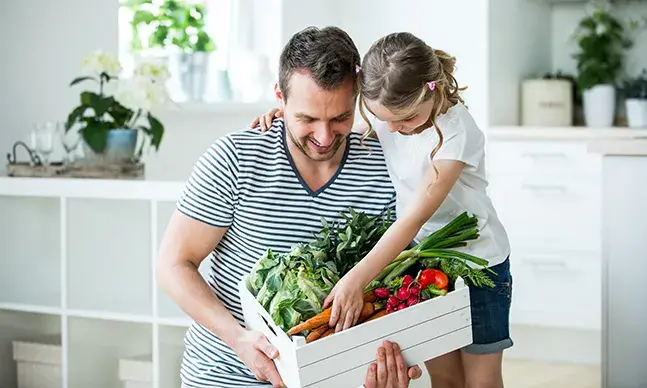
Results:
[423, 331]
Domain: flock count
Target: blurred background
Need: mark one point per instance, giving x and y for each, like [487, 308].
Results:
[76, 255]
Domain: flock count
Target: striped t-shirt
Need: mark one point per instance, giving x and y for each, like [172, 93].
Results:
[247, 182]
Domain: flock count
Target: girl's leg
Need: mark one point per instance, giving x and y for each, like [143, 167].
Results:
[490, 308]
[446, 371]
[483, 370]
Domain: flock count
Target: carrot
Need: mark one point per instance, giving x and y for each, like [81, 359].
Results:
[377, 315]
[367, 311]
[324, 317]
[316, 333]
[328, 332]
[370, 297]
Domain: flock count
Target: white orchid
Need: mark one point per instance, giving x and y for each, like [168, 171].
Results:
[141, 93]
[155, 70]
[99, 62]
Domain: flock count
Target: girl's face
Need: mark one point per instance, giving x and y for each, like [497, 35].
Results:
[406, 121]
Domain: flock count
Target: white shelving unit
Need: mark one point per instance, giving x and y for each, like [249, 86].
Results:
[78, 259]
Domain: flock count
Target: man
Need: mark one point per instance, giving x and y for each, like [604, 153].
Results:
[252, 190]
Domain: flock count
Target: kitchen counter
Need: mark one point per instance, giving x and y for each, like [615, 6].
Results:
[619, 147]
[562, 133]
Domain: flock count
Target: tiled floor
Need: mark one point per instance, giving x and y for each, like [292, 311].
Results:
[527, 374]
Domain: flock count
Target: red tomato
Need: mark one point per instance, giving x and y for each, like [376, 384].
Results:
[426, 278]
[433, 276]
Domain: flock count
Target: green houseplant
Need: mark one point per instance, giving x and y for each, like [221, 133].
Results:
[602, 41]
[110, 117]
[177, 28]
[635, 92]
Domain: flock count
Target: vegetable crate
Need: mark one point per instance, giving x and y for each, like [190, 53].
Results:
[423, 331]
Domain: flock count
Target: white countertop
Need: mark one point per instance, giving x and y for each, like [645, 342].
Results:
[142, 189]
[619, 147]
[562, 133]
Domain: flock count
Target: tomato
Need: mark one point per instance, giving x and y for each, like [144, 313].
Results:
[433, 276]
[426, 278]
[441, 280]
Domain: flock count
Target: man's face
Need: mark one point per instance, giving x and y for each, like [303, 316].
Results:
[317, 120]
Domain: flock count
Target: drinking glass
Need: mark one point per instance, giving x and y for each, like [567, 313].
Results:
[70, 140]
[42, 140]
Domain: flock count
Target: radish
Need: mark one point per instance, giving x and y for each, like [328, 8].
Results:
[382, 293]
[403, 294]
[392, 301]
[407, 280]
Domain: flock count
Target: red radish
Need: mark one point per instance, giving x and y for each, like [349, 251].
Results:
[402, 306]
[414, 290]
[381, 293]
[403, 293]
[412, 300]
[406, 280]
[390, 309]
[393, 301]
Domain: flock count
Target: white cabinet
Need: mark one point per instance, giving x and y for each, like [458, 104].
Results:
[547, 194]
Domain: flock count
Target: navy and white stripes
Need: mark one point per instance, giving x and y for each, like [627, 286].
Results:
[246, 182]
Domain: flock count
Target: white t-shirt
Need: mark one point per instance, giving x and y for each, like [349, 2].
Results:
[408, 159]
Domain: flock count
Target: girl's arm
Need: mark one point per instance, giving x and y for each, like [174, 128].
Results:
[430, 195]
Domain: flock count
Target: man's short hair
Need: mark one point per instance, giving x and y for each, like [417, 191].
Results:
[328, 54]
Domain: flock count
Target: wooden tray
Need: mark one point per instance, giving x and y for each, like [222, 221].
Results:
[58, 170]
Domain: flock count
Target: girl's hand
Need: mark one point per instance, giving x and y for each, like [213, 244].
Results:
[347, 299]
[266, 120]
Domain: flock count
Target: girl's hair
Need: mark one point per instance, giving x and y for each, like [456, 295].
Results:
[400, 72]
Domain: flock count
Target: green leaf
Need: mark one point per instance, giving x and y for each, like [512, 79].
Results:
[95, 134]
[98, 103]
[81, 79]
[156, 130]
[74, 116]
[143, 16]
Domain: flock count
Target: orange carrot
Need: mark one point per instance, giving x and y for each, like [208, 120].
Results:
[316, 333]
[324, 317]
[377, 315]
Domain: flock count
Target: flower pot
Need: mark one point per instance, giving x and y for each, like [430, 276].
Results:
[120, 148]
[599, 106]
[636, 112]
[192, 69]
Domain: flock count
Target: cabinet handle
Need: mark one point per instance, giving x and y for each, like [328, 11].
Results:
[558, 188]
[537, 155]
[549, 265]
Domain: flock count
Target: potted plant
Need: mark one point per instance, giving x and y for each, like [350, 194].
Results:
[602, 41]
[177, 26]
[635, 92]
[110, 118]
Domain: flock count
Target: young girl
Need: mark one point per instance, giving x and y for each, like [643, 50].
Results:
[435, 156]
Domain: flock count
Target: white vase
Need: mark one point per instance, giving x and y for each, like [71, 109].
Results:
[599, 106]
[636, 112]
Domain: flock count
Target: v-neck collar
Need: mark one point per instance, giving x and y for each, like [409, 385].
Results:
[298, 174]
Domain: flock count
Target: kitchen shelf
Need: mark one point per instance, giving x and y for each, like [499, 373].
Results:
[80, 266]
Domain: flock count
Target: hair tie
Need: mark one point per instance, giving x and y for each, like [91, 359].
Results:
[432, 85]
[358, 68]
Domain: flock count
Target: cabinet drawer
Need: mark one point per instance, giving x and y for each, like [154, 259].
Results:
[554, 157]
[548, 213]
[559, 290]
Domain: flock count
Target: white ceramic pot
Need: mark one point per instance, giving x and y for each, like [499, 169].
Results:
[636, 112]
[599, 106]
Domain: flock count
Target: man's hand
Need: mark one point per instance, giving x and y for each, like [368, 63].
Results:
[257, 353]
[391, 369]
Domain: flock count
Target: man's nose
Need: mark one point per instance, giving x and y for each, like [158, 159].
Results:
[324, 135]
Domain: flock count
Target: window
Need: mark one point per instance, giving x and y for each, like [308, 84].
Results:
[241, 68]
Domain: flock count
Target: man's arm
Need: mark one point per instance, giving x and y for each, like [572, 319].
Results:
[185, 244]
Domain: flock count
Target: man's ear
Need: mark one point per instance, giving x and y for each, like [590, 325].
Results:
[278, 93]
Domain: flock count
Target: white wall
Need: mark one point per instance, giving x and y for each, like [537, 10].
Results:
[519, 47]
[565, 18]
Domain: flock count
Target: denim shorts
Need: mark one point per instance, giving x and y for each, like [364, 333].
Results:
[490, 308]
